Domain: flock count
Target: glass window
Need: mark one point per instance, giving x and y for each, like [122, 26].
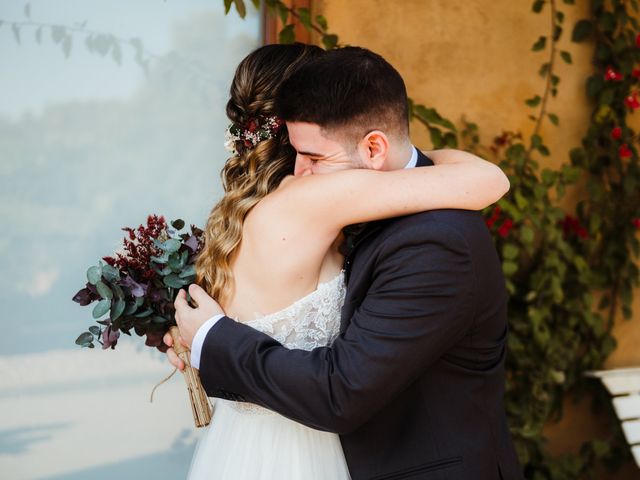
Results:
[109, 110]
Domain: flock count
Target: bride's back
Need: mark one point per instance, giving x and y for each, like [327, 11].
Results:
[279, 260]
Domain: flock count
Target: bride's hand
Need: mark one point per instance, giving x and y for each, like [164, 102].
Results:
[190, 319]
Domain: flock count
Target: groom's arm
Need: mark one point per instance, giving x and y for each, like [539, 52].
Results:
[420, 303]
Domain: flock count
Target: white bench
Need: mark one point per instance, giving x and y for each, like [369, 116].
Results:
[624, 386]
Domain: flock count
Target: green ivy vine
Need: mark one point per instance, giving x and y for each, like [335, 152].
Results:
[555, 261]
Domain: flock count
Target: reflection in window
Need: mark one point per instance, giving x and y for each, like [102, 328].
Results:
[109, 110]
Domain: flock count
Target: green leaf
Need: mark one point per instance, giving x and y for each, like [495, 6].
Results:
[322, 22]
[95, 330]
[178, 224]
[227, 6]
[436, 137]
[569, 2]
[101, 308]
[537, 6]
[283, 12]
[509, 268]
[305, 17]
[94, 274]
[129, 308]
[117, 309]
[450, 140]
[554, 118]
[164, 258]
[84, 339]
[526, 234]
[287, 34]
[110, 273]
[173, 281]
[159, 319]
[187, 272]
[174, 263]
[540, 44]
[104, 290]
[145, 313]
[533, 102]
[566, 56]
[582, 31]
[510, 251]
[330, 41]
[431, 116]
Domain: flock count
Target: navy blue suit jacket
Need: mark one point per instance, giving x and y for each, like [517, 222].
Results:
[414, 384]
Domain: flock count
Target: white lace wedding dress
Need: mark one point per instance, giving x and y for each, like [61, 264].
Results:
[246, 441]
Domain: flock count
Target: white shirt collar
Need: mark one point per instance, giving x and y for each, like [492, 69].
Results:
[414, 158]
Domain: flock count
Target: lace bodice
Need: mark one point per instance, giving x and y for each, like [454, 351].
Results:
[310, 322]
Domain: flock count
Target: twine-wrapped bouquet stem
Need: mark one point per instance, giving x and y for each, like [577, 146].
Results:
[200, 405]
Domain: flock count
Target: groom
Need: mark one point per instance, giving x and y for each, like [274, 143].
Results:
[414, 384]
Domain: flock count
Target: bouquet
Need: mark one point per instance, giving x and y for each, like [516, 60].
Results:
[135, 290]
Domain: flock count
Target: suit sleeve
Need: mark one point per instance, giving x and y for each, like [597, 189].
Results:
[419, 304]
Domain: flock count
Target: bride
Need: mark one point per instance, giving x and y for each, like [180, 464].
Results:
[273, 262]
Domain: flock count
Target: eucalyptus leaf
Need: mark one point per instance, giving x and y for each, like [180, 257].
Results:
[117, 309]
[101, 308]
[94, 274]
[173, 281]
[104, 290]
[84, 339]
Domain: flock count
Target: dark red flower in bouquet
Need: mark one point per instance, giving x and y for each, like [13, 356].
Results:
[505, 228]
[613, 75]
[635, 73]
[631, 101]
[139, 248]
[636, 222]
[572, 226]
[616, 133]
[624, 151]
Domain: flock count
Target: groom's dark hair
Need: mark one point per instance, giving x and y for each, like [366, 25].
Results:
[349, 89]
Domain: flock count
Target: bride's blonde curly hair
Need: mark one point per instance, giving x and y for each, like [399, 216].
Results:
[253, 172]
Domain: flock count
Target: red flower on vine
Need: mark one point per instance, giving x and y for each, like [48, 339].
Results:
[636, 222]
[624, 151]
[494, 217]
[616, 133]
[612, 75]
[631, 101]
[505, 228]
[636, 73]
[572, 226]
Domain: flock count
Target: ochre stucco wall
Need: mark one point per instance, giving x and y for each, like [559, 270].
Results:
[475, 58]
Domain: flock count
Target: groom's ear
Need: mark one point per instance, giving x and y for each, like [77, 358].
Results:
[375, 147]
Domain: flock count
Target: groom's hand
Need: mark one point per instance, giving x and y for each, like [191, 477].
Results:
[190, 319]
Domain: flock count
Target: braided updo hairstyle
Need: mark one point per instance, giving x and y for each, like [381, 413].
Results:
[254, 172]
